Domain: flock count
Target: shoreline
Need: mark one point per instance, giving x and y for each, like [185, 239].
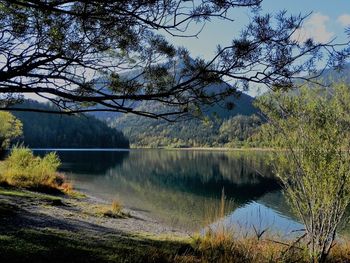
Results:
[79, 212]
[41, 228]
[226, 149]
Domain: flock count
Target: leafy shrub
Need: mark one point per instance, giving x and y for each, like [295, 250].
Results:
[23, 169]
[313, 128]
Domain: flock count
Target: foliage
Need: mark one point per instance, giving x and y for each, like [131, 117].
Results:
[23, 169]
[239, 128]
[232, 132]
[10, 129]
[313, 126]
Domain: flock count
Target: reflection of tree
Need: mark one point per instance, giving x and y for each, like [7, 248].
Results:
[90, 162]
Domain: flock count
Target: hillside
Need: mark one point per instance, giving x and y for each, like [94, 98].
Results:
[42, 130]
[210, 130]
[217, 127]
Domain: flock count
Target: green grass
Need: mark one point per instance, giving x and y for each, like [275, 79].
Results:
[14, 192]
[27, 194]
[52, 245]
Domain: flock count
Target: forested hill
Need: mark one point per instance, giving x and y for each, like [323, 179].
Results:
[42, 130]
[220, 127]
[231, 128]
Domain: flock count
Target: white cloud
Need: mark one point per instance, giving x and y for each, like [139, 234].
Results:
[344, 20]
[315, 28]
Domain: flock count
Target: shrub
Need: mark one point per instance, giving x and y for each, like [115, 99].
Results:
[23, 169]
[314, 130]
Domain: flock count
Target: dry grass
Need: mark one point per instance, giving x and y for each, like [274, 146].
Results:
[114, 210]
[340, 252]
[116, 207]
[223, 247]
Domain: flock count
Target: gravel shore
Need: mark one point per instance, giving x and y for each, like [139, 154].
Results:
[80, 215]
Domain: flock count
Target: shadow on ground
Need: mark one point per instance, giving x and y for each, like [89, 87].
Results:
[28, 236]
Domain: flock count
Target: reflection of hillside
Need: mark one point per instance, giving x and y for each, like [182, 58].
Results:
[203, 173]
[187, 211]
[277, 201]
[240, 168]
[89, 162]
[178, 187]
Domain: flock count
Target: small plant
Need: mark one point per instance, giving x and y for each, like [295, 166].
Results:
[115, 210]
[116, 207]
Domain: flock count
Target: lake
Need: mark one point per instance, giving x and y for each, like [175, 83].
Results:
[184, 188]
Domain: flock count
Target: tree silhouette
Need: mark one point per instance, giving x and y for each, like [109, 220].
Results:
[110, 55]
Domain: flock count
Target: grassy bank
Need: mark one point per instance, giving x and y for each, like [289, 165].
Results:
[36, 227]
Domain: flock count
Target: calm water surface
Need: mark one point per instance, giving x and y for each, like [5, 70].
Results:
[184, 188]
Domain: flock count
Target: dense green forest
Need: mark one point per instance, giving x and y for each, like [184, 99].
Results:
[216, 127]
[233, 132]
[42, 130]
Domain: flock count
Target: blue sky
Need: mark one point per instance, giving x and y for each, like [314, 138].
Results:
[327, 21]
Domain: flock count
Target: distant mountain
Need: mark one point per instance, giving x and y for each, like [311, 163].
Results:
[41, 130]
[331, 75]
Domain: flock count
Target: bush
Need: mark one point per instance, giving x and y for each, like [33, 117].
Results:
[23, 169]
[314, 130]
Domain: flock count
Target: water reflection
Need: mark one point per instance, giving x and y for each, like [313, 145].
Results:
[180, 188]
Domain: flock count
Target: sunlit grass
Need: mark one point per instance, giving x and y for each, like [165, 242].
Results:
[25, 170]
[114, 210]
[27, 194]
